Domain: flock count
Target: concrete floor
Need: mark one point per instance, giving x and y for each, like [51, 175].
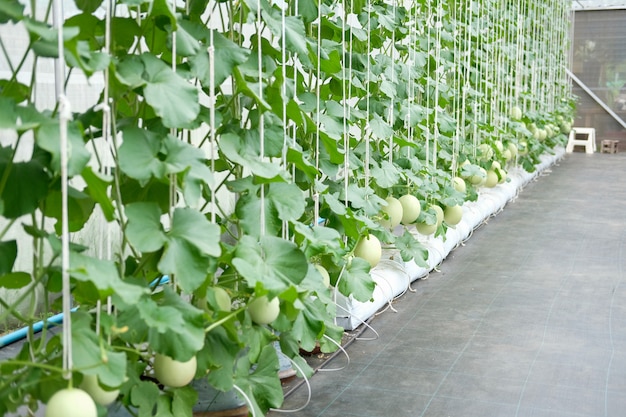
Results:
[528, 319]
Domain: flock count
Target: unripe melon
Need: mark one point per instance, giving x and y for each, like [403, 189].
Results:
[411, 208]
[393, 210]
[452, 215]
[369, 248]
[492, 179]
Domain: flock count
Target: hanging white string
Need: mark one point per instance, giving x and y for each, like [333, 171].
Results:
[65, 115]
[410, 96]
[428, 80]
[346, 139]
[439, 69]
[261, 117]
[367, 97]
[467, 83]
[172, 177]
[107, 157]
[212, 100]
[283, 88]
[393, 70]
[318, 82]
[458, 68]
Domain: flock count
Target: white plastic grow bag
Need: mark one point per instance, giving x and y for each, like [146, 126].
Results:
[393, 277]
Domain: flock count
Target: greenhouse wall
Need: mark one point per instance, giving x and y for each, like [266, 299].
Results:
[599, 60]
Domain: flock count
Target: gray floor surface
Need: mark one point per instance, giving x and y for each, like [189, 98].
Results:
[527, 319]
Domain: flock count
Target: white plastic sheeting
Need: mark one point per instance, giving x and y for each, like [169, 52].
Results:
[393, 276]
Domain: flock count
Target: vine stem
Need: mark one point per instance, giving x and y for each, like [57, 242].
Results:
[223, 320]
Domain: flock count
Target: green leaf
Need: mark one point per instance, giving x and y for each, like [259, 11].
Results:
[48, 137]
[307, 9]
[79, 54]
[189, 161]
[105, 277]
[247, 154]
[180, 342]
[380, 128]
[8, 116]
[138, 155]
[13, 90]
[26, 185]
[283, 202]
[293, 28]
[144, 230]
[273, 262]
[80, 206]
[88, 6]
[227, 55]
[11, 10]
[144, 396]
[158, 191]
[159, 318]
[220, 359]
[96, 188]
[262, 385]
[364, 198]
[411, 248]
[162, 8]
[309, 325]
[129, 71]
[318, 240]
[193, 227]
[183, 400]
[386, 174]
[88, 355]
[288, 200]
[356, 280]
[186, 44]
[172, 98]
[14, 280]
[8, 254]
[190, 246]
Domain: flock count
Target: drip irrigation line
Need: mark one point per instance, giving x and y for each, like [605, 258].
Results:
[331, 357]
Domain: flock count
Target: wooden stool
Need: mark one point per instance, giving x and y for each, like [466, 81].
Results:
[609, 146]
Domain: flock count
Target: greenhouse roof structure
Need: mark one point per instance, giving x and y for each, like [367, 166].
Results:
[598, 4]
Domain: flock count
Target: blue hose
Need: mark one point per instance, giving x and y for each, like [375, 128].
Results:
[20, 334]
[55, 320]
